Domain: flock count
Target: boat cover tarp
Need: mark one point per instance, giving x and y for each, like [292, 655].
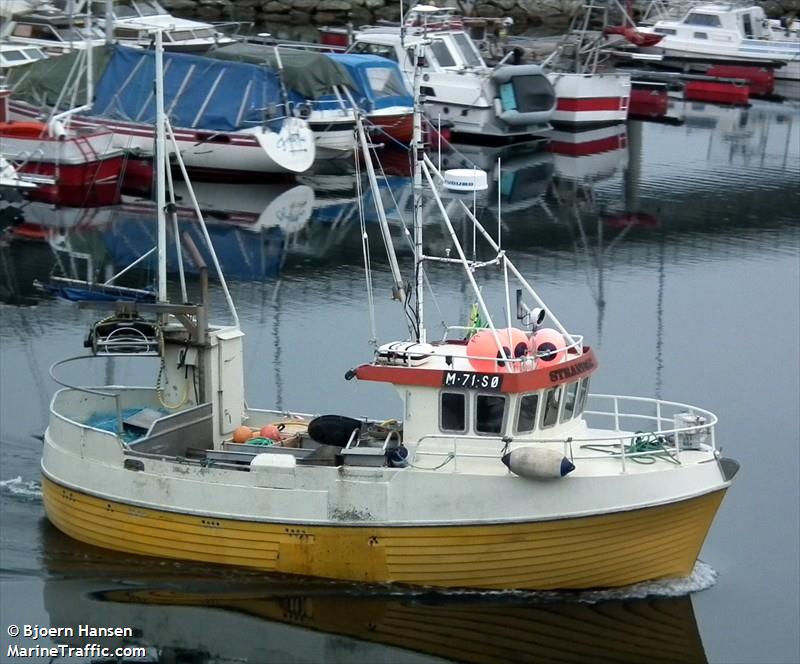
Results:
[379, 81]
[199, 92]
[40, 83]
[308, 73]
[644, 39]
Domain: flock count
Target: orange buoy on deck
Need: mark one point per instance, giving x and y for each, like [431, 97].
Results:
[242, 434]
[23, 129]
[548, 346]
[270, 431]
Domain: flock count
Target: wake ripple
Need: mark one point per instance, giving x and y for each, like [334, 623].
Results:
[26, 490]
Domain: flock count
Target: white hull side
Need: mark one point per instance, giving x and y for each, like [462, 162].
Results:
[591, 98]
[357, 495]
[291, 150]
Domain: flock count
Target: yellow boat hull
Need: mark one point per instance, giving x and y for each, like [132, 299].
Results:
[589, 552]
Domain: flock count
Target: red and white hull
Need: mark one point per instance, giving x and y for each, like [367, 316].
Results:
[589, 155]
[257, 151]
[591, 98]
[76, 160]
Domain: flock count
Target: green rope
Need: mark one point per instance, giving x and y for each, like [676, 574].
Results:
[649, 448]
[448, 459]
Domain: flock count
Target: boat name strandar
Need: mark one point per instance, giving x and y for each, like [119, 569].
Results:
[568, 372]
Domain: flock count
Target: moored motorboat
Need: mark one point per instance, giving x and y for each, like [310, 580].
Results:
[324, 88]
[228, 117]
[498, 476]
[505, 102]
[52, 30]
[56, 152]
[133, 21]
[720, 33]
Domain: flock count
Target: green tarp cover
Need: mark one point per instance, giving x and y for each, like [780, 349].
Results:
[41, 82]
[309, 73]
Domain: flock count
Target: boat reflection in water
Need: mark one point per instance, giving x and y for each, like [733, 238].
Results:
[250, 226]
[193, 614]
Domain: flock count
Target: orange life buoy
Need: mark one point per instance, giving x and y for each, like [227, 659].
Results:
[23, 129]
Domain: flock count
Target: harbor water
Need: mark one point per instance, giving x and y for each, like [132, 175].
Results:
[673, 247]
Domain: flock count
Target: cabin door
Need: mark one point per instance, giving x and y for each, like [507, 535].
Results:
[747, 24]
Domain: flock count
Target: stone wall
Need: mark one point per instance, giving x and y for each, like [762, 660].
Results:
[527, 14]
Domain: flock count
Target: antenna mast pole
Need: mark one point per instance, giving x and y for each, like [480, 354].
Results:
[161, 165]
[418, 153]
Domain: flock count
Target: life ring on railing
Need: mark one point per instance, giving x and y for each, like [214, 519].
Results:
[23, 129]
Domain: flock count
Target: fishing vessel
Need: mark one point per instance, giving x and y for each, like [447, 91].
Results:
[503, 472]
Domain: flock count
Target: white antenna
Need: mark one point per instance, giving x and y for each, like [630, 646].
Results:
[499, 204]
[439, 131]
[161, 164]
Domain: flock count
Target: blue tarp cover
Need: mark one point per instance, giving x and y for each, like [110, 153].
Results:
[380, 82]
[199, 92]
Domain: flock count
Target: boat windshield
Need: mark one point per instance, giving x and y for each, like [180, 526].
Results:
[22, 54]
[442, 53]
[130, 8]
[385, 82]
[467, 48]
[78, 34]
[696, 18]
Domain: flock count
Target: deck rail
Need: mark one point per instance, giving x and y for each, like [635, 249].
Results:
[639, 429]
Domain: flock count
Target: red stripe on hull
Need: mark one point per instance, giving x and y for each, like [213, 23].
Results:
[650, 103]
[78, 175]
[719, 93]
[588, 147]
[578, 104]
[398, 127]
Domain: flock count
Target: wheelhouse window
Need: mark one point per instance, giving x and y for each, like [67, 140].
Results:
[665, 31]
[709, 20]
[180, 35]
[552, 401]
[128, 33]
[570, 401]
[526, 417]
[747, 25]
[382, 50]
[700, 35]
[453, 412]
[467, 49]
[583, 393]
[490, 410]
[13, 56]
[442, 54]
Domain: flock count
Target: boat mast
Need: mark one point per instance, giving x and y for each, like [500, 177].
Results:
[161, 164]
[417, 153]
[109, 20]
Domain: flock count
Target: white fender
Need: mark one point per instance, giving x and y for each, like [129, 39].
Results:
[538, 463]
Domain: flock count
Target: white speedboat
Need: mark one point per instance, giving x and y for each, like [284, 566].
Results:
[52, 30]
[725, 33]
[18, 55]
[503, 473]
[509, 101]
[133, 22]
